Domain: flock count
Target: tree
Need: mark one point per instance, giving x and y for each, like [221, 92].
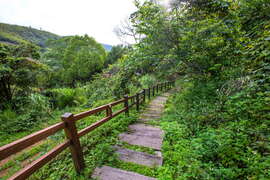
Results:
[126, 32]
[115, 53]
[75, 58]
[18, 72]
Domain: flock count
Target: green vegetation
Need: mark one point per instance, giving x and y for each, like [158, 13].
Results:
[17, 34]
[208, 139]
[217, 123]
[74, 59]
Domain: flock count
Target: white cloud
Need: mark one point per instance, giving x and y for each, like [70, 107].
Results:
[97, 18]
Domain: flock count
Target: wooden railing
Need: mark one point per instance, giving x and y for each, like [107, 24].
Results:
[72, 135]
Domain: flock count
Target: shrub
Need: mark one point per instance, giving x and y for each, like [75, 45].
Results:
[36, 109]
[147, 81]
[206, 139]
[63, 97]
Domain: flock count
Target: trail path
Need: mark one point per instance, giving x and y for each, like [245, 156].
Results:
[140, 134]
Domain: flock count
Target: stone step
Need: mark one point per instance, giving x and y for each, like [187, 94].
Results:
[145, 120]
[156, 106]
[152, 113]
[141, 158]
[156, 109]
[140, 128]
[153, 116]
[166, 95]
[153, 110]
[150, 141]
[159, 100]
[109, 173]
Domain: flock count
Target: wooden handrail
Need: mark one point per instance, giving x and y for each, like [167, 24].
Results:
[29, 140]
[72, 135]
[30, 169]
[90, 112]
[93, 126]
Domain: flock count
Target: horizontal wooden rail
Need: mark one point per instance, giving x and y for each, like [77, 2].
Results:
[132, 104]
[72, 135]
[117, 102]
[118, 112]
[93, 126]
[90, 112]
[29, 140]
[28, 170]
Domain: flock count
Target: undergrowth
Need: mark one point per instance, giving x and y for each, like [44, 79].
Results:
[210, 138]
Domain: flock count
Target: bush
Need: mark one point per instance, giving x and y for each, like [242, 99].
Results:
[64, 97]
[209, 139]
[8, 120]
[147, 81]
[35, 109]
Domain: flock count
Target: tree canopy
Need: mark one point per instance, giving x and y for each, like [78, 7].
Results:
[74, 58]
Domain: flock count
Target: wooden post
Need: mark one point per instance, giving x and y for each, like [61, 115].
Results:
[165, 86]
[157, 88]
[144, 94]
[109, 111]
[126, 105]
[132, 100]
[149, 93]
[153, 91]
[75, 147]
[138, 101]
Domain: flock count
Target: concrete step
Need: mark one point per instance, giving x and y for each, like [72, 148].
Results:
[109, 173]
[143, 129]
[152, 113]
[127, 155]
[156, 106]
[151, 141]
[150, 116]
[145, 120]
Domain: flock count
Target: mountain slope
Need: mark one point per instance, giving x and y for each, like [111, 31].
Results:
[15, 34]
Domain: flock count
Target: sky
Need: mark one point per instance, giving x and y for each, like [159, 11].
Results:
[97, 18]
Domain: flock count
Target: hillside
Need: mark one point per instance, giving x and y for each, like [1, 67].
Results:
[15, 34]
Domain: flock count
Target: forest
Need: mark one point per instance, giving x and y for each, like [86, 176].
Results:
[216, 124]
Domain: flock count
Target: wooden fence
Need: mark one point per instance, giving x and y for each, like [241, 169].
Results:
[72, 135]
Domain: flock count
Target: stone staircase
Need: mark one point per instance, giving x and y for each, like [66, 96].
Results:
[140, 134]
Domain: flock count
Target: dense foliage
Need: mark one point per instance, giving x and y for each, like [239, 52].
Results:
[217, 124]
[115, 53]
[18, 71]
[74, 59]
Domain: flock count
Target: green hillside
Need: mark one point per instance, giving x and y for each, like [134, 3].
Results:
[15, 34]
